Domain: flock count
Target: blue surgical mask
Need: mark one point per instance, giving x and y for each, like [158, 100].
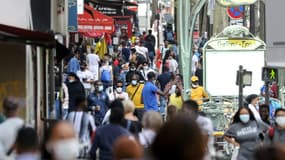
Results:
[244, 118]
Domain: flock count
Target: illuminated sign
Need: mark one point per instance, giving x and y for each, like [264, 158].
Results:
[227, 3]
[269, 73]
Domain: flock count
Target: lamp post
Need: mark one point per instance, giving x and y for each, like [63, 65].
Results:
[185, 27]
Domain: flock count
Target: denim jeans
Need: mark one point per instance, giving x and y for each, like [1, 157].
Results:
[162, 106]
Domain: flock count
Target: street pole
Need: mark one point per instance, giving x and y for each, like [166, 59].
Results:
[185, 27]
[240, 81]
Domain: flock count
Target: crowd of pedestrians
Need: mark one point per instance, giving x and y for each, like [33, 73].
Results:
[129, 105]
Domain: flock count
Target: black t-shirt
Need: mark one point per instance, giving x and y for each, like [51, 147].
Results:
[163, 79]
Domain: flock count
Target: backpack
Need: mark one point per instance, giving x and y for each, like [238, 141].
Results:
[106, 75]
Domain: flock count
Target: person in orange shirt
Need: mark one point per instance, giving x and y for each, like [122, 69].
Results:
[198, 93]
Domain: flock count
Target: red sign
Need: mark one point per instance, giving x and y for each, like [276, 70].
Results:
[236, 12]
[94, 22]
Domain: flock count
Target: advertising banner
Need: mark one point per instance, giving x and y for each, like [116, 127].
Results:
[72, 15]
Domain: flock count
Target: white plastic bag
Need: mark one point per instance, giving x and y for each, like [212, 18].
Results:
[235, 153]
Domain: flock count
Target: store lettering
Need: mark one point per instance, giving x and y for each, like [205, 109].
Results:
[235, 43]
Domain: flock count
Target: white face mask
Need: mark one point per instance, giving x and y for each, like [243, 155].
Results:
[280, 121]
[70, 80]
[134, 82]
[100, 88]
[244, 118]
[65, 149]
[195, 85]
[119, 89]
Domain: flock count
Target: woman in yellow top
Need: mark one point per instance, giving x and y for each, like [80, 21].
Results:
[176, 98]
[198, 93]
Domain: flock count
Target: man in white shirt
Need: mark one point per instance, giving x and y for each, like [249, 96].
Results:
[140, 49]
[86, 78]
[93, 63]
[9, 128]
[195, 62]
[173, 65]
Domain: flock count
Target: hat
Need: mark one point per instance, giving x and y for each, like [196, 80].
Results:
[194, 78]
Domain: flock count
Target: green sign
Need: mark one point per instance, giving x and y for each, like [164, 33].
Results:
[270, 74]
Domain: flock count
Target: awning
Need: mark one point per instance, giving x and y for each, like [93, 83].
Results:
[93, 23]
[113, 3]
[19, 35]
[23, 36]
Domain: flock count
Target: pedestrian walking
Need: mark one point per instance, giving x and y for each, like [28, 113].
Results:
[61, 143]
[152, 122]
[107, 135]
[73, 64]
[9, 128]
[180, 139]
[134, 91]
[131, 122]
[84, 126]
[244, 133]
[75, 88]
[27, 144]
[192, 108]
[93, 63]
[149, 93]
[98, 101]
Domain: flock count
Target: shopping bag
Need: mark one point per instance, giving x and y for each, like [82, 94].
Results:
[235, 153]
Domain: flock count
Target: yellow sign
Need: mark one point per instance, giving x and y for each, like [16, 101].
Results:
[242, 43]
[228, 3]
[234, 44]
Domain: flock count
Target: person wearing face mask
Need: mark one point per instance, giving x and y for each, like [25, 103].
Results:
[98, 101]
[133, 70]
[176, 99]
[75, 88]
[276, 134]
[198, 93]
[134, 91]
[86, 77]
[119, 93]
[145, 69]
[252, 101]
[150, 92]
[62, 144]
[244, 133]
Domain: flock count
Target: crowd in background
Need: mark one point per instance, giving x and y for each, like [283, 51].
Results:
[129, 105]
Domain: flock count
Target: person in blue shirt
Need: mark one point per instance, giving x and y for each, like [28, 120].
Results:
[107, 135]
[73, 64]
[98, 101]
[149, 93]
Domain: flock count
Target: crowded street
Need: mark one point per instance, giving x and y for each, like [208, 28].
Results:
[142, 80]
